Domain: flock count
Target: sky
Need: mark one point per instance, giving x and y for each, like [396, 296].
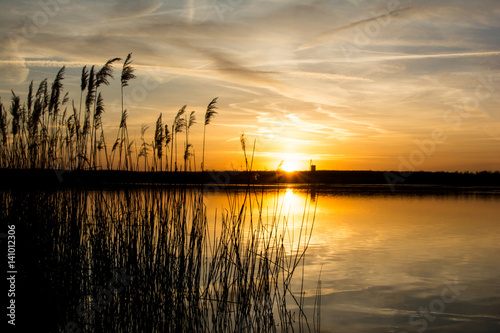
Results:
[351, 85]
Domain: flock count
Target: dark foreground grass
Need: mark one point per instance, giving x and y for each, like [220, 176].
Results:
[151, 261]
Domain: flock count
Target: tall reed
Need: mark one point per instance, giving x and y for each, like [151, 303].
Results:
[41, 133]
[177, 127]
[189, 123]
[230, 273]
[127, 75]
[158, 142]
[209, 114]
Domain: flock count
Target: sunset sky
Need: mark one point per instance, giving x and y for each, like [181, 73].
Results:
[364, 85]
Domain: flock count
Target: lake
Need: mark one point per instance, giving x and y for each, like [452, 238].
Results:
[401, 262]
[409, 261]
[386, 261]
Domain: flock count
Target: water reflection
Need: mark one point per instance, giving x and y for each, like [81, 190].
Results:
[384, 260]
[384, 257]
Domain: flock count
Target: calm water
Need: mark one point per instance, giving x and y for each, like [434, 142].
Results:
[402, 262]
[396, 263]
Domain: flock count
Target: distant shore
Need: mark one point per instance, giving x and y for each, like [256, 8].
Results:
[12, 178]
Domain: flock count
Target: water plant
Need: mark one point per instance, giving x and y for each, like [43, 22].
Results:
[188, 269]
[41, 133]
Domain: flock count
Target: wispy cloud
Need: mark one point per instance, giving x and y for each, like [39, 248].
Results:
[276, 66]
[330, 34]
[426, 56]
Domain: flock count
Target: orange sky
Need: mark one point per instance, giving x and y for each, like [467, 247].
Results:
[380, 85]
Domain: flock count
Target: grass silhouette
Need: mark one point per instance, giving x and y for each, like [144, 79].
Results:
[45, 132]
[233, 273]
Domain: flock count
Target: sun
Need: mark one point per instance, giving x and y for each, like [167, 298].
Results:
[289, 166]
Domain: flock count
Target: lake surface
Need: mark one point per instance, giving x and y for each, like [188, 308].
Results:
[382, 262]
[409, 262]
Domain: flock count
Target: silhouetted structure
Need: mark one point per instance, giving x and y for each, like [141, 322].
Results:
[313, 166]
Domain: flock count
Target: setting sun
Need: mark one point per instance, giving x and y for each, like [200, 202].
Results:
[239, 165]
[292, 161]
[290, 166]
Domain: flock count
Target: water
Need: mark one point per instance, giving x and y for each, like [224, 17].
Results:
[382, 262]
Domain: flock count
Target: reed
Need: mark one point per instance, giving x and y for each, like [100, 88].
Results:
[102, 77]
[229, 273]
[190, 273]
[209, 114]
[127, 75]
[177, 127]
[4, 153]
[189, 122]
[144, 151]
[41, 133]
[158, 143]
[87, 126]
[167, 140]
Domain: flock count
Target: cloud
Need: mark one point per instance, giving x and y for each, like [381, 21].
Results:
[42, 63]
[230, 67]
[319, 76]
[134, 8]
[427, 56]
[12, 66]
[249, 59]
[330, 34]
[13, 72]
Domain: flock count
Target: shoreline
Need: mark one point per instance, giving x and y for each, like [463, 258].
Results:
[353, 180]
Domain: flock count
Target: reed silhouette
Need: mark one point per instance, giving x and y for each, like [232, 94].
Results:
[185, 271]
[44, 132]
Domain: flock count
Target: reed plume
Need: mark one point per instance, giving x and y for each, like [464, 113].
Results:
[158, 143]
[35, 119]
[55, 94]
[189, 122]
[144, 147]
[99, 110]
[89, 100]
[102, 77]
[84, 80]
[243, 142]
[54, 109]
[122, 135]
[3, 135]
[127, 71]
[3, 123]
[15, 111]
[120, 140]
[106, 72]
[168, 138]
[177, 127]
[41, 105]
[209, 114]
[187, 153]
[30, 99]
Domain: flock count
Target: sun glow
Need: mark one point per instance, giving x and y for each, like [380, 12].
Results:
[291, 162]
[290, 165]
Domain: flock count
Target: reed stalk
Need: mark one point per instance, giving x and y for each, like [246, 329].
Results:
[42, 133]
[209, 114]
